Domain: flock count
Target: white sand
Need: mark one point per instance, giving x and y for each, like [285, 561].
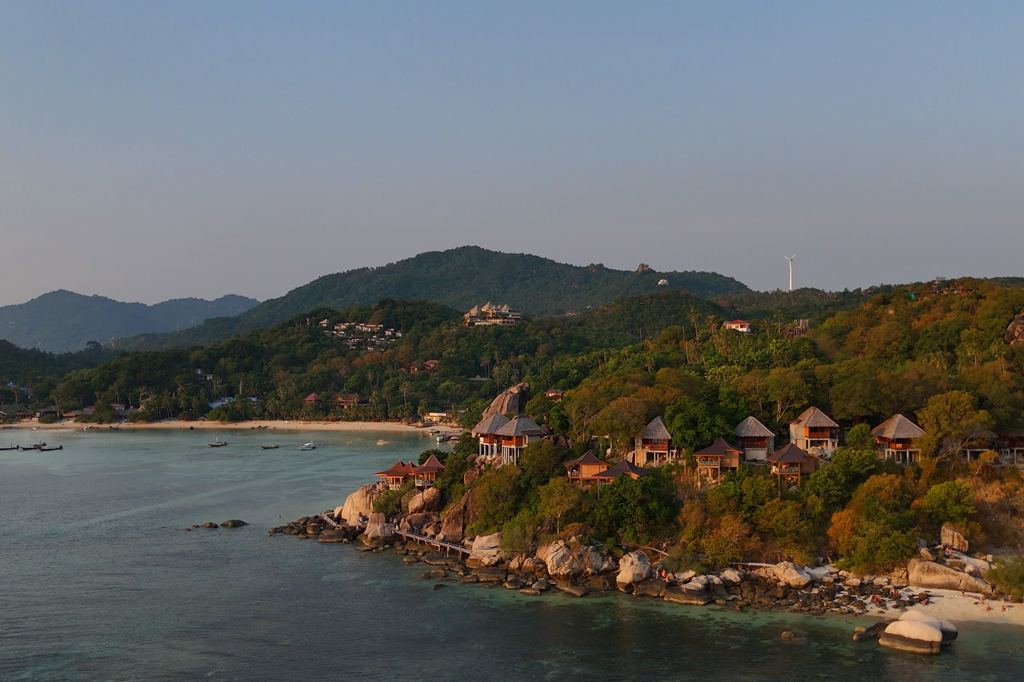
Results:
[956, 608]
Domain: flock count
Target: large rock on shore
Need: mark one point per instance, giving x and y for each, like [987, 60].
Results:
[912, 637]
[458, 516]
[377, 527]
[792, 575]
[486, 550]
[931, 575]
[358, 504]
[509, 401]
[679, 595]
[424, 502]
[634, 567]
[563, 561]
[953, 538]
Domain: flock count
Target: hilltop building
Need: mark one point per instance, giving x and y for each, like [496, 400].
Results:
[715, 459]
[487, 433]
[586, 469]
[741, 326]
[488, 314]
[791, 463]
[515, 436]
[654, 446]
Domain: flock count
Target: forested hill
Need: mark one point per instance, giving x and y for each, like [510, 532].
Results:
[460, 278]
[63, 321]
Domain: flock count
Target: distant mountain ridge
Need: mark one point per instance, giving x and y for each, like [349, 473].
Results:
[460, 278]
[63, 321]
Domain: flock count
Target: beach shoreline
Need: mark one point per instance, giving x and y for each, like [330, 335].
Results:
[263, 424]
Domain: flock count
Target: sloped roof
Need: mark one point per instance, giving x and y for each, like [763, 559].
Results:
[399, 468]
[312, 397]
[790, 454]
[520, 426]
[812, 417]
[752, 428]
[490, 425]
[588, 458]
[656, 430]
[897, 427]
[622, 467]
[432, 465]
[717, 449]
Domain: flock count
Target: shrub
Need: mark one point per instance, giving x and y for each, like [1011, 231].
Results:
[949, 502]
[1008, 576]
[679, 560]
[390, 503]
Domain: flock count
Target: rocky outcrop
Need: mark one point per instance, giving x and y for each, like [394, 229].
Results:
[416, 523]
[634, 567]
[458, 516]
[358, 504]
[509, 401]
[233, 523]
[650, 588]
[731, 576]
[377, 526]
[427, 501]
[1015, 331]
[948, 630]
[564, 561]
[953, 538]
[792, 575]
[931, 575]
[486, 551]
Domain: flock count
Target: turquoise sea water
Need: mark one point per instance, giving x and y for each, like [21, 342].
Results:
[100, 582]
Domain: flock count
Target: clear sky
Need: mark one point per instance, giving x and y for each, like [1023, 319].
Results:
[156, 150]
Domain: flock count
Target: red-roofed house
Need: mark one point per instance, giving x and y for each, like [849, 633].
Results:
[741, 326]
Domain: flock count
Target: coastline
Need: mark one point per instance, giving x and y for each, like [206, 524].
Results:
[271, 425]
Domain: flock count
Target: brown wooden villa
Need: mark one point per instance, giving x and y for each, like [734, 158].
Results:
[426, 473]
[982, 440]
[487, 433]
[515, 436]
[654, 446]
[815, 432]
[715, 459]
[623, 468]
[895, 439]
[1011, 446]
[791, 463]
[583, 470]
[755, 439]
[399, 473]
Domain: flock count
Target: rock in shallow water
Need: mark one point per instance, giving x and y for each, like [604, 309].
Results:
[233, 523]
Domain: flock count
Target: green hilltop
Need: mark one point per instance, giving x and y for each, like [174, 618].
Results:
[460, 278]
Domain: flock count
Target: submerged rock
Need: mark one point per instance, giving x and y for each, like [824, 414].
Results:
[678, 595]
[233, 523]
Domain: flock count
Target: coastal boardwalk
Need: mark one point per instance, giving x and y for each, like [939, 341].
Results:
[448, 547]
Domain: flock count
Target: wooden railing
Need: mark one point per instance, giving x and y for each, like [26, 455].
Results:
[440, 544]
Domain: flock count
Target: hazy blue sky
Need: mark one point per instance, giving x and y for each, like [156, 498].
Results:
[157, 150]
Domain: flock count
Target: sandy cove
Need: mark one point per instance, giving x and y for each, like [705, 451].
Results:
[270, 425]
[955, 607]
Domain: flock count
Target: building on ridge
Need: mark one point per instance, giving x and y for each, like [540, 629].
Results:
[741, 326]
[515, 436]
[895, 439]
[623, 468]
[398, 474]
[755, 439]
[426, 474]
[487, 434]
[583, 470]
[488, 314]
[654, 445]
[814, 432]
[715, 459]
[791, 463]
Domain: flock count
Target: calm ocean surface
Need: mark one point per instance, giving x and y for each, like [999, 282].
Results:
[99, 582]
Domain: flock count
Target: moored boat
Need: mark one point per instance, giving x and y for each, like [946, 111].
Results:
[307, 446]
[218, 443]
[275, 446]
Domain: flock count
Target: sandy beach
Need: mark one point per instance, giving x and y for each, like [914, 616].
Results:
[280, 425]
[958, 608]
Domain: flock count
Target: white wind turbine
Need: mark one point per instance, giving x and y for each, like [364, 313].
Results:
[790, 259]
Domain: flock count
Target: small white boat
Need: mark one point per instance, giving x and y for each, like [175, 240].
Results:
[382, 442]
[307, 446]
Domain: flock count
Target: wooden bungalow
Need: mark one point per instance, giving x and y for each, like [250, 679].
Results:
[311, 398]
[791, 463]
[583, 469]
[755, 439]
[398, 474]
[814, 432]
[555, 395]
[715, 459]
[426, 473]
[487, 433]
[895, 439]
[346, 399]
[623, 468]
[515, 436]
[654, 446]
[980, 441]
[1011, 446]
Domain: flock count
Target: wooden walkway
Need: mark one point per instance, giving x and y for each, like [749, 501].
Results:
[448, 547]
[328, 520]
